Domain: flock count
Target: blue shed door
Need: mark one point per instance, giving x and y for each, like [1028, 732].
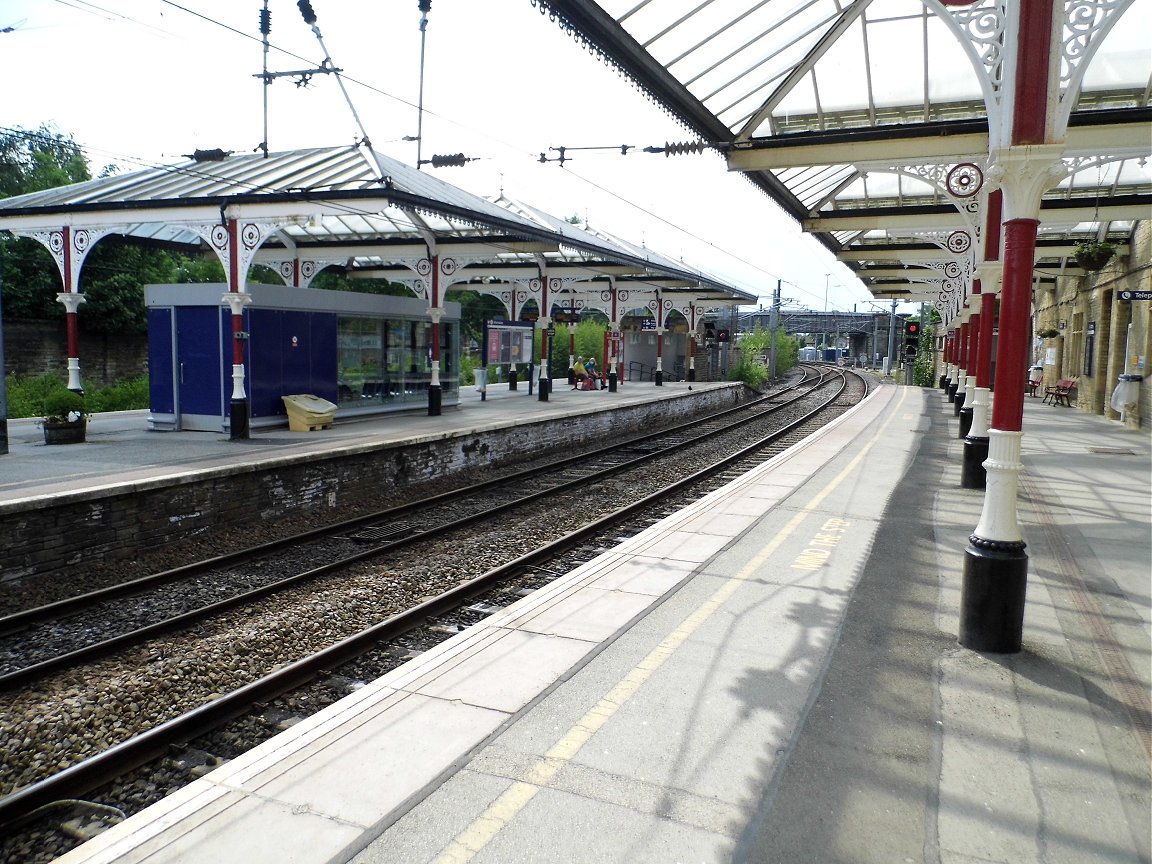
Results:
[161, 360]
[199, 368]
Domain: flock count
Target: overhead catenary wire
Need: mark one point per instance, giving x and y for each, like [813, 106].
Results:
[487, 132]
[310, 20]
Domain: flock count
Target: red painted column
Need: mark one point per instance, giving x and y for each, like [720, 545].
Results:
[234, 288]
[1027, 159]
[614, 325]
[238, 414]
[961, 353]
[961, 373]
[974, 336]
[659, 353]
[691, 342]
[70, 316]
[71, 301]
[1012, 352]
[984, 357]
[435, 395]
[544, 381]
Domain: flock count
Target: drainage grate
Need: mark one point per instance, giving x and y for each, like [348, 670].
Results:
[380, 533]
[1112, 451]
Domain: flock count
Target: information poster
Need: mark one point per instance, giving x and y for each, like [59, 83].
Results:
[508, 342]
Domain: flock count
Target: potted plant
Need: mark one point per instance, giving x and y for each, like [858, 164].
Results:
[1049, 333]
[1093, 255]
[65, 418]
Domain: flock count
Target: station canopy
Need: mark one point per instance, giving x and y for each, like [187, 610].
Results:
[868, 121]
[371, 215]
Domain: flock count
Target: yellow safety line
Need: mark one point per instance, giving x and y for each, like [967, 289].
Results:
[504, 809]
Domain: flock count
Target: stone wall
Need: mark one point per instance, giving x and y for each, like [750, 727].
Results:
[42, 535]
[38, 347]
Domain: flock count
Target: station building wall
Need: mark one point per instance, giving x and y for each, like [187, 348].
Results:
[1101, 335]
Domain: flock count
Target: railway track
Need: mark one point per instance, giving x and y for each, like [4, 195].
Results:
[467, 595]
[38, 641]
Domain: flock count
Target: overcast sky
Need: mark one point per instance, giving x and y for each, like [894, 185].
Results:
[140, 82]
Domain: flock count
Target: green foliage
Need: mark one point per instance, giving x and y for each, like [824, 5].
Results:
[475, 309]
[43, 396]
[924, 366]
[468, 364]
[30, 280]
[197, 270]
[759, 343]
[113, 280]
[1093, 255]
[589, 340]
[749, 371]
[333, 279]
[26, 395]
[127, 395]
[31, 161]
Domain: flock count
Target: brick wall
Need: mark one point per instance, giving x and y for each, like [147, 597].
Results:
[46, 534]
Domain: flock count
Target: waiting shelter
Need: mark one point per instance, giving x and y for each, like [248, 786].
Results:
[299, 212]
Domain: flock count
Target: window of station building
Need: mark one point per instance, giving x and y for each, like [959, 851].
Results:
[389, 361]
[358, 367]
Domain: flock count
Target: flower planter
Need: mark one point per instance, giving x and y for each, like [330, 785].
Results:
[1093, 258]
[67, 432]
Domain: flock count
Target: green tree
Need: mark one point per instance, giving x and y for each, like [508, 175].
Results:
[113, 280]
[31, 161]
[759, 343]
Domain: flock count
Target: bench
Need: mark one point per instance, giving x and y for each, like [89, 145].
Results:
[1031, 387]
[1059, 393]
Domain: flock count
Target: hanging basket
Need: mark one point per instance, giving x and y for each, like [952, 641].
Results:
[1092, 257]
[65, 432]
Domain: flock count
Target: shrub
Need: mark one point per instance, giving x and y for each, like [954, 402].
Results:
[468, 365]
[124, 395]
[26, 395]
[750, 372]
[30, 396]
[61, 406]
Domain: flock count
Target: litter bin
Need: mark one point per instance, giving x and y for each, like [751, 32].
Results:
[307, 413]
[1127, 394]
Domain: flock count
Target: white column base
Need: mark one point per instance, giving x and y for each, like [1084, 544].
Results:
[980, 412]
[74, 374]
[1003, 467]
[237, 382]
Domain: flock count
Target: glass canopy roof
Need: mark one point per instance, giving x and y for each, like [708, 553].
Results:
[839, 109]
[351, 205]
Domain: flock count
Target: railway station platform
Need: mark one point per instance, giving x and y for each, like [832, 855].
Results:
[768, 675]
[121, 449]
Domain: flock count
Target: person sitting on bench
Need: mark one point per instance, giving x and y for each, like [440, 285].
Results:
[580, 372]
[592, 373]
